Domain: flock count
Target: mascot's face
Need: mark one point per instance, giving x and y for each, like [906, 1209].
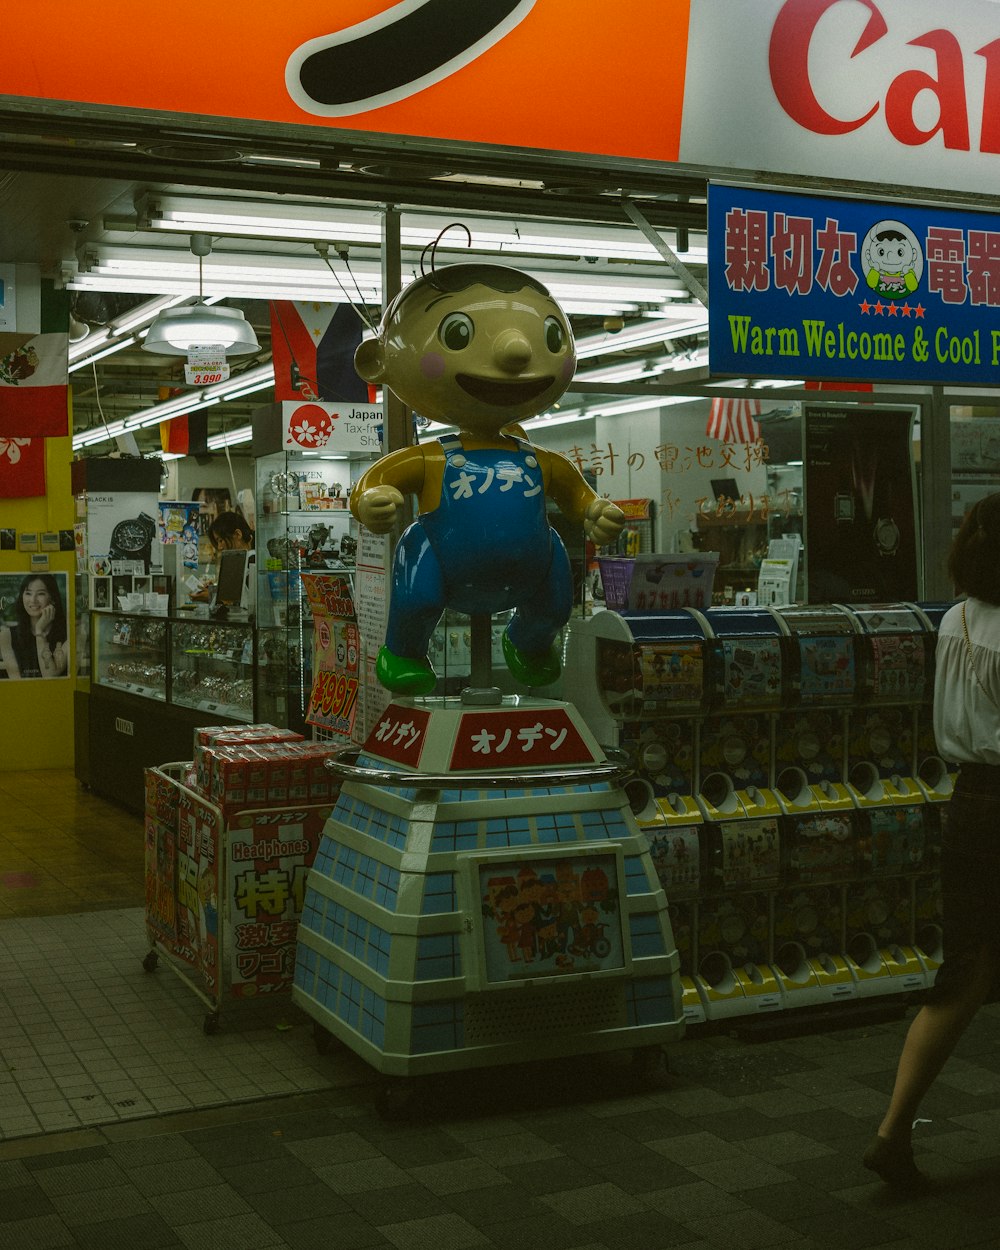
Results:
[478, 357]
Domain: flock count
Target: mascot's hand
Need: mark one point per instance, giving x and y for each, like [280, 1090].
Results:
[377, 508]
[603, 521]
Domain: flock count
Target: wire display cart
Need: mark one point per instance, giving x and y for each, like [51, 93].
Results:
[224, 889]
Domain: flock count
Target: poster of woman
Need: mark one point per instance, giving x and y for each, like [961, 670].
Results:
[34, 636]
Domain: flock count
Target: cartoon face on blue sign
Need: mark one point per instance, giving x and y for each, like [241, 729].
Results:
[892, 260]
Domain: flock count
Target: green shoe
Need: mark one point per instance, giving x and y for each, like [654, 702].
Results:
[532, 670]
[403, 675]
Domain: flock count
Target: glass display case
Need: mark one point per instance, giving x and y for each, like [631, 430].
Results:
[130, 653]
[196, 663]
[303, 525]
[211, 667]
[155, 680]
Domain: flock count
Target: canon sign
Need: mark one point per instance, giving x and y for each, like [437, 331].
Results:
[788, 60]
[892, 92]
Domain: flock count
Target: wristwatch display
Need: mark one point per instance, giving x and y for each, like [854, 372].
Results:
[843, 506]
[132, 539]
[887, 536]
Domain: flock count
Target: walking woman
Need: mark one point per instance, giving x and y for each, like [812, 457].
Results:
[967, 729]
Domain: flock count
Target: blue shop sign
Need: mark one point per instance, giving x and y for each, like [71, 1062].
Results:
[808, 287]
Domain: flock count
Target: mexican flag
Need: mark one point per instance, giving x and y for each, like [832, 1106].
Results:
[34, 380]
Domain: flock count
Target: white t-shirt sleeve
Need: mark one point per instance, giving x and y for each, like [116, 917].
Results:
[966, 717]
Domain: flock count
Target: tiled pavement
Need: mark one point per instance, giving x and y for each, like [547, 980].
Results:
[123, 1125]
[740, 1144]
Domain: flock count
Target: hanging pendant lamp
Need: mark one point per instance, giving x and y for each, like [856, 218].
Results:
[177, 331]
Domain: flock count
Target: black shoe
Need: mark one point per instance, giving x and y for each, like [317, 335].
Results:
[894, 1164]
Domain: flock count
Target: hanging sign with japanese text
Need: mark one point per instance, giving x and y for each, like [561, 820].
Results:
[809, 287]
[333, 701]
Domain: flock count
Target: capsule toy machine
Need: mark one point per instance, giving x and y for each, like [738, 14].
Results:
[811, 733]
[893, 678]
[934, 775]
[742, 814]
[676, 846]
[818, 811]
[880, 903]
[893, 662]
[741, 859]
[640, 681]
[736, 737]
[820, 853]
[937, 780]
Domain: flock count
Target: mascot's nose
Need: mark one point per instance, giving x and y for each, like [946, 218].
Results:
[511, 351]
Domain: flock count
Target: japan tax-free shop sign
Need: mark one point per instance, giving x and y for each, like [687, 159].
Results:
[852, 290]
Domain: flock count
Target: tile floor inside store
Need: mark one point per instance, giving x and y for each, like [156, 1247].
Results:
[123, 1125]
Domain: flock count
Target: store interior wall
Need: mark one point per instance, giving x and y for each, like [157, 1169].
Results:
[675, 485]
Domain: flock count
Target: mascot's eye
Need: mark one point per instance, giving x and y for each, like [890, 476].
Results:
[456, 331]
[555, 335]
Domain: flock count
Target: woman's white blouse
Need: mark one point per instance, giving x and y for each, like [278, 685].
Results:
[966, 719]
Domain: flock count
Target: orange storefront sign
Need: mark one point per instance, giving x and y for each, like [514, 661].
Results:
[586, 76]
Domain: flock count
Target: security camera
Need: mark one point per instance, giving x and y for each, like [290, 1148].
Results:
[77, 224]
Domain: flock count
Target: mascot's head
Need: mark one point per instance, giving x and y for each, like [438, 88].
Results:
[474, 345]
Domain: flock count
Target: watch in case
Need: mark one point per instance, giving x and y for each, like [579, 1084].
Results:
[843, 507]
[886, 536]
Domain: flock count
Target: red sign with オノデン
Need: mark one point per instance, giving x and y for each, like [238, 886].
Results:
[518, 738]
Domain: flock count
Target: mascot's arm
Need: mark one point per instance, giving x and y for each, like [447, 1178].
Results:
[379, 493]
[601, 519]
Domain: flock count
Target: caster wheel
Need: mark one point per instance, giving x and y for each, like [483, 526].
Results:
[649, 1062]
[151, 961]
[210, 1024]
[322, 1038]
[396, 1100]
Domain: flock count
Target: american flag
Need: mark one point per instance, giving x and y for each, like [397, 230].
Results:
[733, 420]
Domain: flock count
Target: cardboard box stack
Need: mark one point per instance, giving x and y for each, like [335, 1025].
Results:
[255, 766]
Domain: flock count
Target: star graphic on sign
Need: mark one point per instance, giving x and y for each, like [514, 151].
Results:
[920, 310]
[879, 309]
[893, 310]
[865, 307]
[907, 310]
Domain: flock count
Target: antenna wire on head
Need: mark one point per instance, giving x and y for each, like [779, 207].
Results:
[433, 245]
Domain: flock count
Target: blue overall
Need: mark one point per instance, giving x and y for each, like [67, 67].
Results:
[486, 548]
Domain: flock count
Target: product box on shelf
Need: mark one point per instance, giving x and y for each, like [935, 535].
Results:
[267, 774]
[213, 737]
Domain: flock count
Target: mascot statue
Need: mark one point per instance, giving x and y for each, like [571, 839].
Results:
[479, 347]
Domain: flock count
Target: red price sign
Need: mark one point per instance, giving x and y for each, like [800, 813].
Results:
[333, 698]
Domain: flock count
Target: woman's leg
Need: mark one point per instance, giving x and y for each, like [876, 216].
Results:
[931, 1038]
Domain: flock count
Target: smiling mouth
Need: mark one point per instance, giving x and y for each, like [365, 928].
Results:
[503, 394]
